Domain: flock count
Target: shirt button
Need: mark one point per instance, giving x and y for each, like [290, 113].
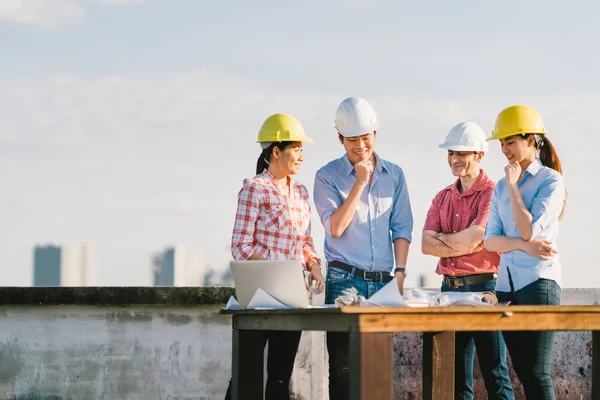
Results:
[457, 215]
[373, 247]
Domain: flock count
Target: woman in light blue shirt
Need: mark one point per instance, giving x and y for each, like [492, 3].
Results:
[523, 226]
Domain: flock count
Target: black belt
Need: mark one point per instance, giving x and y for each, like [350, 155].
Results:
[366, 275]
[455, 282]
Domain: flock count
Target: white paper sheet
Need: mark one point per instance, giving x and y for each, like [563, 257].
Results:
[262, 299]
[387, 296]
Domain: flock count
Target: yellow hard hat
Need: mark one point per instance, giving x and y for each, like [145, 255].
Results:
[282, 128]
[517, 120]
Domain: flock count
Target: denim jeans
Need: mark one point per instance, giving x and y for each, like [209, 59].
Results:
[283, 346]
[491, 352]
[531, 351]
[337, 343]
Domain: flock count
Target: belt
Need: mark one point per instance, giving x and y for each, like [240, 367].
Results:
[375, 276]
[455, 282]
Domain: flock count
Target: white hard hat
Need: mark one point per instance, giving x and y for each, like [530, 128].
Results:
[355, 116]
[466, 136]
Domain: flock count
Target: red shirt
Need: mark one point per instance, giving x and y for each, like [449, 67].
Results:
[271, 223]
[452, 212]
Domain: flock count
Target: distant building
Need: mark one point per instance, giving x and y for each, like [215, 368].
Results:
[178, 266]
[67, 265]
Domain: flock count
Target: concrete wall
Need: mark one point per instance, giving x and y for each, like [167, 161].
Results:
[171, 343]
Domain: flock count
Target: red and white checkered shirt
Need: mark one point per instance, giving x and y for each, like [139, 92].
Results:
[452, 212]
[271, 224]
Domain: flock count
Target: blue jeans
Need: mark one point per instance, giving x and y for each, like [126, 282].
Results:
[491, 352]
[531, 351]
[337, 342]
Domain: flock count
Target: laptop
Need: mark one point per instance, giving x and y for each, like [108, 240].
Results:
[282, 279]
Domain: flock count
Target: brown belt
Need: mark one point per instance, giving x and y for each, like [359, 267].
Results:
[455, 282]
[375, 276]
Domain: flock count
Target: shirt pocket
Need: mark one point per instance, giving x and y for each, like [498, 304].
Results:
[276, 217]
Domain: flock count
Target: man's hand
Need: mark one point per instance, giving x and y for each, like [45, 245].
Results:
[317, 276]
[512, 172]
[364, 170]
[539, 248]
[480, 246]
[400, 277]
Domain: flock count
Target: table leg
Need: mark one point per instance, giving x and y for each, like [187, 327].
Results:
[247, 364]
[595, 365]
[371, 359]
[438, 365]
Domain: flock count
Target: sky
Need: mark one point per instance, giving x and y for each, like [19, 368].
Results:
[131, 124]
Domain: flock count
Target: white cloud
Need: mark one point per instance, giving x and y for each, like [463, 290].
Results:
[42, 13]
[50, 14]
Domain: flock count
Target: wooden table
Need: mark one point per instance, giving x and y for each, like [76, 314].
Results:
[371, 350]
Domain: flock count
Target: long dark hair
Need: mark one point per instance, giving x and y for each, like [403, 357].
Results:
[549, 158]
[265, 156]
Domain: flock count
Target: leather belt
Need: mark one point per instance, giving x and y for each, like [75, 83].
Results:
[455, 282]
[375, 276]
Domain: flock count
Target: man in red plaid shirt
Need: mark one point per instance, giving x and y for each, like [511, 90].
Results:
[454, 232]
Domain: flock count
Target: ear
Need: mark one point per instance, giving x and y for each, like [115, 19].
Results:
[341, 138]
[480, 155]
[530, 141]
[275, 152]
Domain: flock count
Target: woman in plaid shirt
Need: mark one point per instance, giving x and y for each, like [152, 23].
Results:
[273, 223]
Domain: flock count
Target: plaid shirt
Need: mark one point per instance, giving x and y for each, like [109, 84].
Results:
[271, 224]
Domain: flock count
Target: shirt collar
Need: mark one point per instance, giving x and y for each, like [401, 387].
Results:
[478, 186]
[270, 177]
[534, 167]
[349, 168]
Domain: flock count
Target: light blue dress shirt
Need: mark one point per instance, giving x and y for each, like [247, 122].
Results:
[543, 193]
[383, 213]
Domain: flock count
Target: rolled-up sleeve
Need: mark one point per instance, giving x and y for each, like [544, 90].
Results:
[494, 225]
[547, 205]
[327, 199]
[308, 249]
[242, 239]
[401, 219]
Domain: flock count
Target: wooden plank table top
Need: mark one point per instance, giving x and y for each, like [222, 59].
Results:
[426, 319]
[370, 331]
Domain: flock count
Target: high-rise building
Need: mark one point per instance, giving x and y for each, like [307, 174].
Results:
[178, 266]
[67, 265]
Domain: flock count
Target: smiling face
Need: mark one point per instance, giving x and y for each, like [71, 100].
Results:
[289, 159]
[517, 148]
[359, 148]
[464, 163]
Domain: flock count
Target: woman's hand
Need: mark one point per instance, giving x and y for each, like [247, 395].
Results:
[317, 276]
[539, 248]
[513, 172]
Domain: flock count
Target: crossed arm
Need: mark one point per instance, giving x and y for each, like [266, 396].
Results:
[457, 244]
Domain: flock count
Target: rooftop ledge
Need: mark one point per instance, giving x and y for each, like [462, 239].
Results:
[174, 296]
[117, 296]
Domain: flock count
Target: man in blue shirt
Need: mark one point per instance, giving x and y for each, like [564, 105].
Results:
[363, 204]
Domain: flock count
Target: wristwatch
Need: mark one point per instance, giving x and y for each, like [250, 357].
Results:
[438, 235]
[402, 270]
